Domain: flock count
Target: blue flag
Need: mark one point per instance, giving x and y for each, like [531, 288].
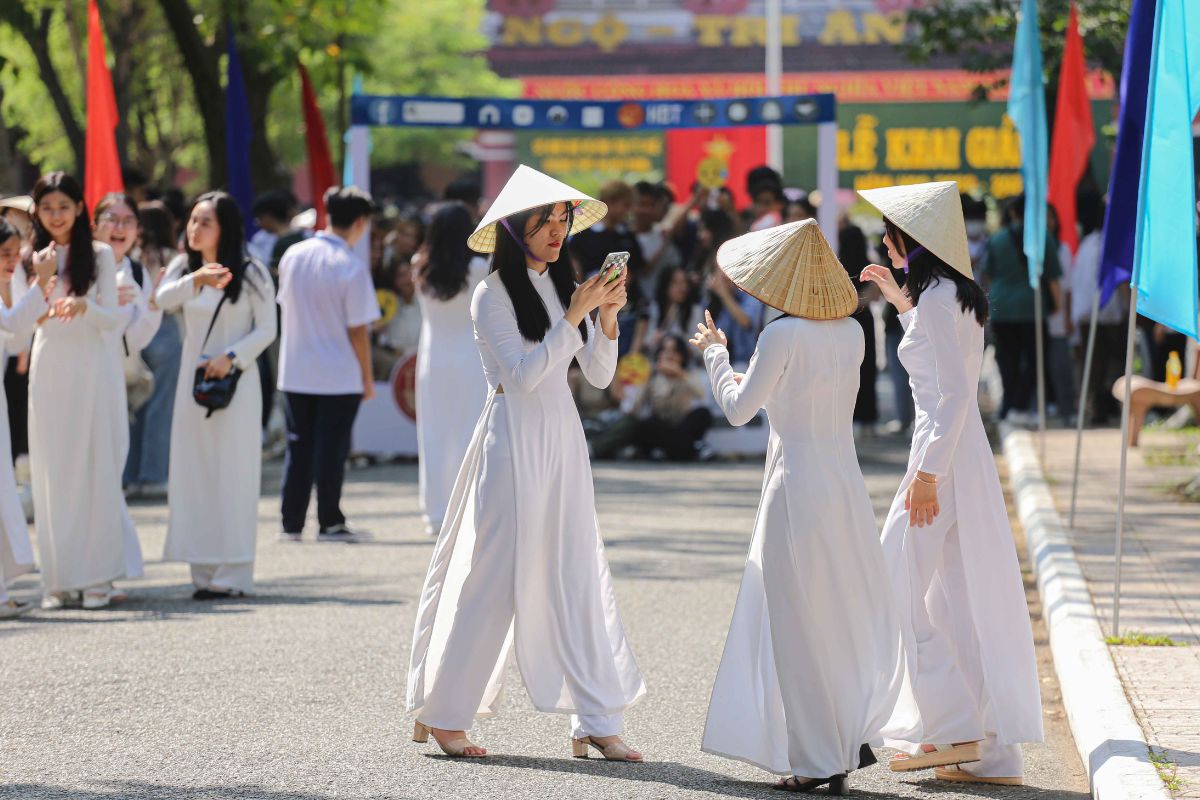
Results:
[238, 134]
[1120, 220]
[1165, 253]
[1027, 110]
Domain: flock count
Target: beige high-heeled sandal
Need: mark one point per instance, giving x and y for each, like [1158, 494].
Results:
[943, 755]
[614, 751]
[454, 749]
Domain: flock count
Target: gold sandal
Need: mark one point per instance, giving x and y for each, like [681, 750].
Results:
[944, 755]
[454, 749]
[613, 751]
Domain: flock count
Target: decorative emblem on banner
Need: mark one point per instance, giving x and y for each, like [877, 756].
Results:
[404, 386]
[713, 170]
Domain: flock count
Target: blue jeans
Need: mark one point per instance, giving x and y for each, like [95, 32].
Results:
[899, 377]
[150, 433]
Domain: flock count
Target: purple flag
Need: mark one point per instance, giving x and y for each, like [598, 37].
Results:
[1120, 221]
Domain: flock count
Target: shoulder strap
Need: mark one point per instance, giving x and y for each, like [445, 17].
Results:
[212, 322]
[139, 273]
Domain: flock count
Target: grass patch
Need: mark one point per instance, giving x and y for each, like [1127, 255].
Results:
[1171, 457]
[1168, 771]
[1139, 639]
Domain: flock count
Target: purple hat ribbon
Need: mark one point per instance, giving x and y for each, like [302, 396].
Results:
[916, 252]
[520, 241]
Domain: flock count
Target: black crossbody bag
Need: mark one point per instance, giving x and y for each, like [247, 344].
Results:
[214, 393]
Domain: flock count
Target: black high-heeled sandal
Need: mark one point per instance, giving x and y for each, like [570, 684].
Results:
[838, 785]
[866, 757]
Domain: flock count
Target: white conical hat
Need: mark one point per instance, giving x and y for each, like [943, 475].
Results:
[527, 189]
[792, 268]
[932, 214]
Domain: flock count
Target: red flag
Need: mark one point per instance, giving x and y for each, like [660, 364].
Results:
[101, 167]
[320, 163]
[715, 157]
[1074, 134]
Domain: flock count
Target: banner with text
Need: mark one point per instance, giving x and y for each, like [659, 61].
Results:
[494, 113]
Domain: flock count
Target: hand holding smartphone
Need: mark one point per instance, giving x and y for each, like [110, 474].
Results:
[614, 264]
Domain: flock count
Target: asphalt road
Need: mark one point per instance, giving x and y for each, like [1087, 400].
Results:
[297, 694]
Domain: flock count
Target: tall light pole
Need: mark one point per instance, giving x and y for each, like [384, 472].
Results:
[774, 75]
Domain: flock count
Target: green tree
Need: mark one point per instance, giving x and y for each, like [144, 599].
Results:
[980, 33]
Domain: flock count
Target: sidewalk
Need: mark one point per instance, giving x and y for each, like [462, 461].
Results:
[1160, 578]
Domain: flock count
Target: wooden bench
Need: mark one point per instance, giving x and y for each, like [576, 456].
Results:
[1146, 394]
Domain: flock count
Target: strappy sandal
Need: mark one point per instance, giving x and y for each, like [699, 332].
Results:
[943, 755]
[957, 775]
[838, 785]
[613, 751]
[454, 749]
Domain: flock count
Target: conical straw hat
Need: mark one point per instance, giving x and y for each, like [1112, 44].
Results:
[932, 214]
[527, 189]
[792, 268]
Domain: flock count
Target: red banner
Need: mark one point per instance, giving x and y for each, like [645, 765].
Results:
[715, 157]
[899, 86]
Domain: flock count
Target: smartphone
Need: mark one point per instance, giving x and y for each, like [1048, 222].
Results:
[614, 264]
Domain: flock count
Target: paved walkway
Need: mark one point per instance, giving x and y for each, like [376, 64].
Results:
[296, 695]
[1160, 576]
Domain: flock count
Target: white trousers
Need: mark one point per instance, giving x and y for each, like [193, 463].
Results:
[239, 577]
[487, 604]
[948, 684]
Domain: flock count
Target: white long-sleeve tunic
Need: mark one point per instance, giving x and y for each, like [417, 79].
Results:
[16, 553]
[216, 461]
[451, 391]
[810, 668]
[78, 437]
[942, 350]
[569, 639]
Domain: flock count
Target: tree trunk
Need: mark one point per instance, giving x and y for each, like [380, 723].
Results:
[36, 32]
[202, 65]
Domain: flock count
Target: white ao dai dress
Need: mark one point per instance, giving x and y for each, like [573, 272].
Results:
[216, 461]
[970, 671]
[519, 560]
[78, 438]
[810, 668]
[16, 552]
[451, 392]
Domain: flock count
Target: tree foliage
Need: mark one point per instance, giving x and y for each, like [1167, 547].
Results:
[980, 33]
[168, 63]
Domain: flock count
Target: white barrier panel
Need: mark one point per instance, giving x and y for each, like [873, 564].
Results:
[386, 426]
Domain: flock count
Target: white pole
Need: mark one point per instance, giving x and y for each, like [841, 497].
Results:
[1041, 370]
[774, 76]
[360, 158]
[1083, 399]
[1124, 462]
[827, 178]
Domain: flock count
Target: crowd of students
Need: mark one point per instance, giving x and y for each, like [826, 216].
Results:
[133, 341]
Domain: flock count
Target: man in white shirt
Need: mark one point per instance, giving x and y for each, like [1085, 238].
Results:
[327, 304]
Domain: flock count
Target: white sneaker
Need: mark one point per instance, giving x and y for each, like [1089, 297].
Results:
[97, 597]
[55, 601]
[284, 536]
[13, 609]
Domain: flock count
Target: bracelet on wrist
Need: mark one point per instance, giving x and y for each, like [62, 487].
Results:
[926, 480]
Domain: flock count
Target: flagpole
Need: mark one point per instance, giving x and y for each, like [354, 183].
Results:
[1133, 295]
[1041, 371]
[1083, 399]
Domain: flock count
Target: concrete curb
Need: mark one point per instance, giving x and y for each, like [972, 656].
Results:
[1107, 735]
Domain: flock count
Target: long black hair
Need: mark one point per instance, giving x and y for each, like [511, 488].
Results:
[683, 311]
[444, 273]
[926, 269]
[81, 259]
[231, 245]
[509, 260]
